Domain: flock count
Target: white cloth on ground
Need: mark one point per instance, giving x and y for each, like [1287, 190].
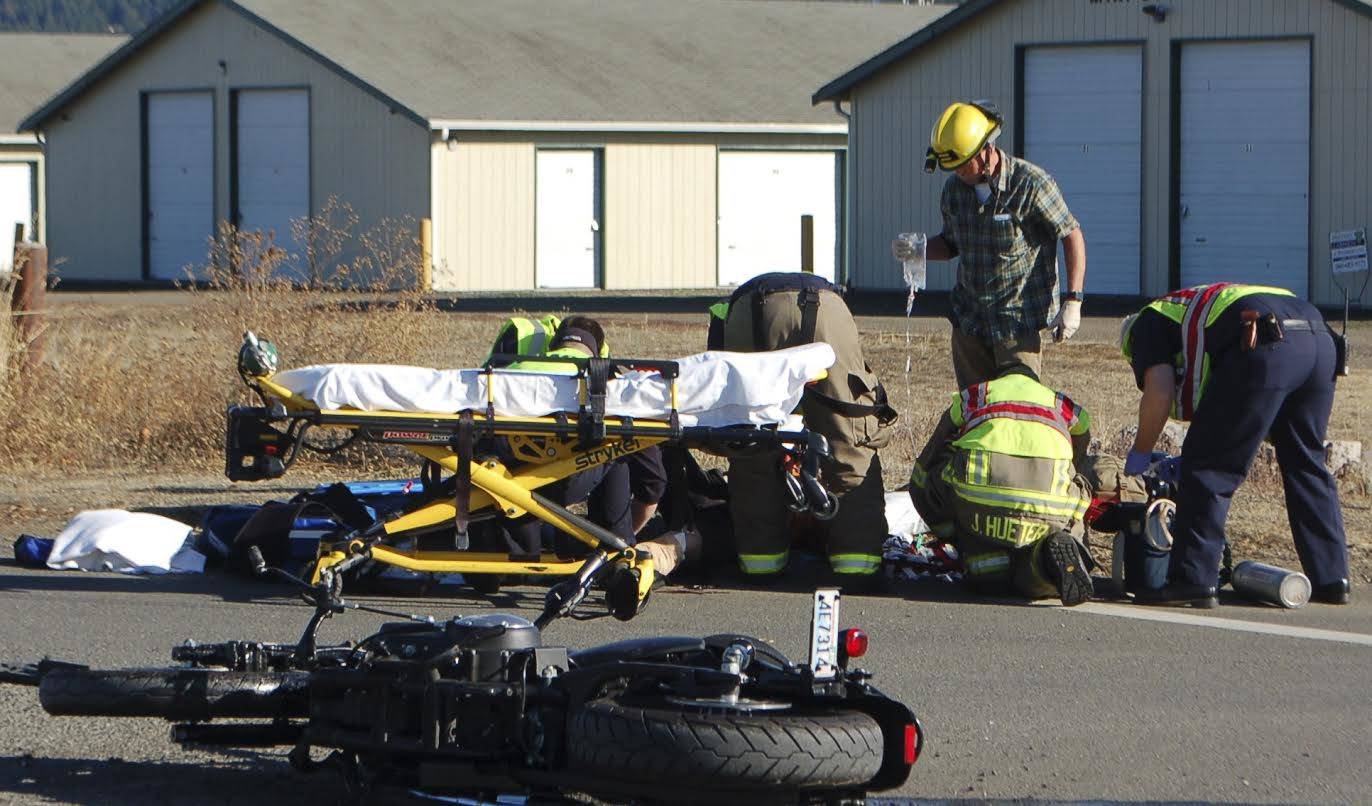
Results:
[127, 542]
[714, 388]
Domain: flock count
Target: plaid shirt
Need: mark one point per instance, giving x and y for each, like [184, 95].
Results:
[1007, 283]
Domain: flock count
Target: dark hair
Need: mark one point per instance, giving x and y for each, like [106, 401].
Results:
[582, 330]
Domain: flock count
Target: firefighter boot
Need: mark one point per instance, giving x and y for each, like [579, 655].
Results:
[1065, 566]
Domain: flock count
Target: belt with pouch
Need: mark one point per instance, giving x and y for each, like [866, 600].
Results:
[1257, 328]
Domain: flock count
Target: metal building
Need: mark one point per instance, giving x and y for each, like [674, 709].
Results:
[1195, 140]
[553, 143]
[33, 68]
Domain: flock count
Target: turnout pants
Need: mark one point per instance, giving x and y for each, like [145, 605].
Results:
[1284, 389]
[853, 470]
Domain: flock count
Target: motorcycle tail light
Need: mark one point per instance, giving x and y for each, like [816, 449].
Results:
[854, 643]
[912, 744]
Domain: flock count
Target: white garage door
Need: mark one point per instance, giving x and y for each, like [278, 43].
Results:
[16, 206]
[1083, 123]
[272, 162]
[567, 219]
[180, 173]
[762, 195]
[1245, 163]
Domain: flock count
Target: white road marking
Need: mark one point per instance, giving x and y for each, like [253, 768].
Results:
[1175, 616]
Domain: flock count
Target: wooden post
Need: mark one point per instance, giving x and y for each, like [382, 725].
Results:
[30, 297]
[426, 254]
[807, 244]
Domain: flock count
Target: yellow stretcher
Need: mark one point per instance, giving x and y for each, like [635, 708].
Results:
[464, 483]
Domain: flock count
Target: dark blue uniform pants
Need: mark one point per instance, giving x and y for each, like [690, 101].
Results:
[1285, 389]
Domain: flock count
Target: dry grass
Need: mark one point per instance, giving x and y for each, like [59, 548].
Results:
[143, 387]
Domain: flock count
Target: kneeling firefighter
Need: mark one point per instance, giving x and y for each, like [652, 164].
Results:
[998, 479]
[849, 408]
[621, 495]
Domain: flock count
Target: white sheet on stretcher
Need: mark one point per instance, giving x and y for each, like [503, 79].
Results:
[714, 389]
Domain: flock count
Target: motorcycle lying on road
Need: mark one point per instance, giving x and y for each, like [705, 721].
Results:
[476, 706]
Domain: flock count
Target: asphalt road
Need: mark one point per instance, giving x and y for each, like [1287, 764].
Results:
[1020, 703]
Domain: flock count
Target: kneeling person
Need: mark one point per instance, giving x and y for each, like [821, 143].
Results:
[998, 480]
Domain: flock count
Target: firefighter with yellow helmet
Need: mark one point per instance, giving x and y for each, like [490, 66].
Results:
[1003, 218]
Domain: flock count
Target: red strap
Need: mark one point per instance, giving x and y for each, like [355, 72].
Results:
[1193, 346]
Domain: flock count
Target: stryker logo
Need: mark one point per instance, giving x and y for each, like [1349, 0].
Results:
[606, 453]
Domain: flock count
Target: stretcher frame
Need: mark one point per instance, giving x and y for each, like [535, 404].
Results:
[262, 442]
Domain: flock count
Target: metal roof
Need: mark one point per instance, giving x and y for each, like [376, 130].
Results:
[840, 88]
[35, 67]
[465, 63]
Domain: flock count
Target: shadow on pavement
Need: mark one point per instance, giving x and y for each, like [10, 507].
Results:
[246, 779]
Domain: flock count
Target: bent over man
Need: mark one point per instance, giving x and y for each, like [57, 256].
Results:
[998, 480]
[780, 310]
[1241, 362]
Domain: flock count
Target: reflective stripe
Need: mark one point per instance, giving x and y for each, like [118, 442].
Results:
[1030, 412]
[978, 564]
[1025, 500]
[762, 563]
[1061, 478]
[1063, 415]
[854, 563]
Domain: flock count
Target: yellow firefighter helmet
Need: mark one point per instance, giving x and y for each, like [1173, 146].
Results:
[961, 132]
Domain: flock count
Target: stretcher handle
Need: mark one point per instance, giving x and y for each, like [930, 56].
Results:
[667, 369]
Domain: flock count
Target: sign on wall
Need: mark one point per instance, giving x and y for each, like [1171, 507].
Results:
[1348, 250]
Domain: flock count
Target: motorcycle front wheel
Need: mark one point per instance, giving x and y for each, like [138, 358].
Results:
[672, 746]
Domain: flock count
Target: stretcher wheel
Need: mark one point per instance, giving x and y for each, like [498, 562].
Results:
[488, 584]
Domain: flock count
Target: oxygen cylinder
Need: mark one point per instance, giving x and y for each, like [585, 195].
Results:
[1268, 583]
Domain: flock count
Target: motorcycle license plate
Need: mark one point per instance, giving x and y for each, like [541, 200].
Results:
[824, 635]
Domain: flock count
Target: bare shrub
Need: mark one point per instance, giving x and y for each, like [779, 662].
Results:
[149, 386]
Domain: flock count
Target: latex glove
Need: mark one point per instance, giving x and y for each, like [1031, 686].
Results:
[903, 251]
[1067, 322]
[1137, 462]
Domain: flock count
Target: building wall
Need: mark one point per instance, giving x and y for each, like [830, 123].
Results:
[32, 154]
[893, 111]
[660, 205]
[362, 152]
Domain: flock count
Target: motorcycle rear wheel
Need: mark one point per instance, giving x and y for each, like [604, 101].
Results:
[175, 693]
[672, 746]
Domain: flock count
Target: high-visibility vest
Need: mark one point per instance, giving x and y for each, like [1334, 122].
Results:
[1195, 310]
[554, 367]
[531, 336]
[1018, 416]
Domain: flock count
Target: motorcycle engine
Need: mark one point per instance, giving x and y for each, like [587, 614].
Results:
[487, 643]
